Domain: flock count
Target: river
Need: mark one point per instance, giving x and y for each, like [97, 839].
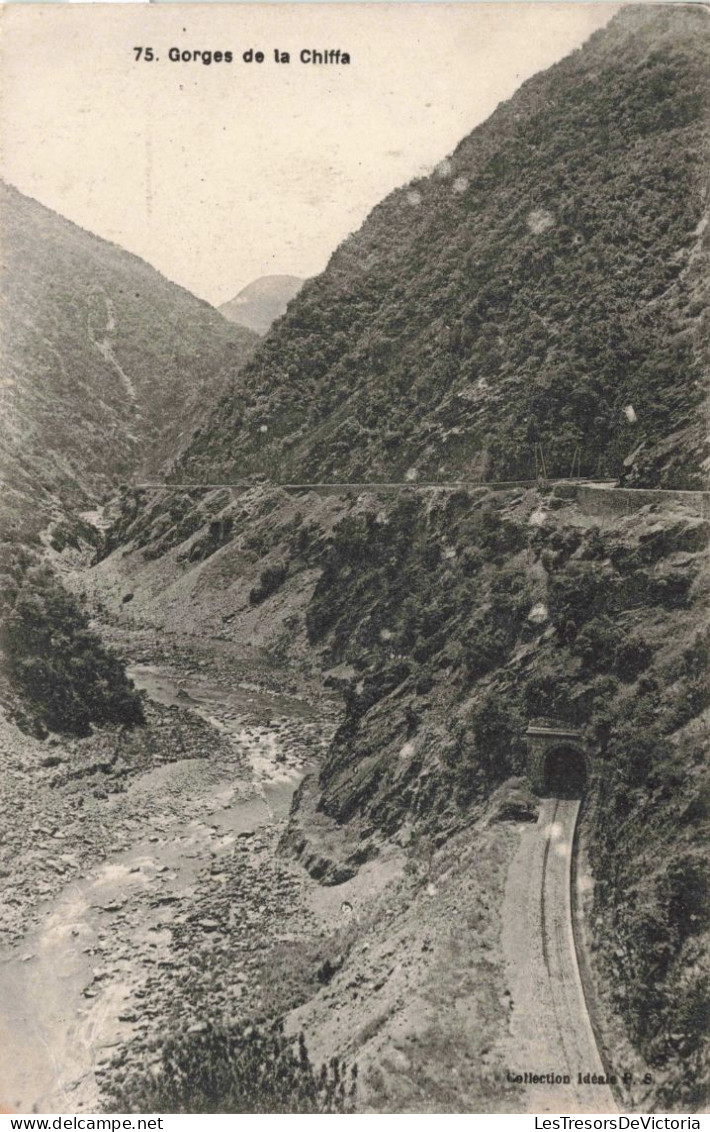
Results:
[64, 992]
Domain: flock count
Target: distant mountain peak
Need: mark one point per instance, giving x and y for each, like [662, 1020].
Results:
[263, 301]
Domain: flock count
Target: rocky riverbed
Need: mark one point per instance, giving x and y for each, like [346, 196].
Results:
[138, 867]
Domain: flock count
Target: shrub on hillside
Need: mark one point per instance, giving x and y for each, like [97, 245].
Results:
[580, 592]
[548, 691]
[270, 580]
[492, 634]
[498, 537]
[62, 670]
[672, 590]
[693, 689]
[73, 534]
[470, 561]
[237, 1069]
[601, 645]
[218, 534]
[596, 644]
[632, 657]
[489, 747]
[486, 647]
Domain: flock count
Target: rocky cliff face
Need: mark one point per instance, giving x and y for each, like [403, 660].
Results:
[540, 300]
[105, 363]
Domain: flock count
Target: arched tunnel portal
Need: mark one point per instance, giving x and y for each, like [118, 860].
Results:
[564, 772]
[557, 762]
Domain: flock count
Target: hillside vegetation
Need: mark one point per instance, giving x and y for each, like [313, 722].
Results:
[550, 273]
[57, 673]
[105, 363]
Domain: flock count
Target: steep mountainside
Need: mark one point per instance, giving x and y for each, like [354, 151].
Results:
[551, 273]
[105, 363]
[262, 302]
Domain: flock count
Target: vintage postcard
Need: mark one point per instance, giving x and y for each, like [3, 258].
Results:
[354, 696]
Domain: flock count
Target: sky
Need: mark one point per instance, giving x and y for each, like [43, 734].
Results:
[219, 174]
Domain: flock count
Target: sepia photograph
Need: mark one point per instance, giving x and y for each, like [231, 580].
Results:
[354, 576]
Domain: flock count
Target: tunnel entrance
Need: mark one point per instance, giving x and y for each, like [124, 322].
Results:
[564, 773]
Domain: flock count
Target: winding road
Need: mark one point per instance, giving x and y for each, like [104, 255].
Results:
[550, 1031]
